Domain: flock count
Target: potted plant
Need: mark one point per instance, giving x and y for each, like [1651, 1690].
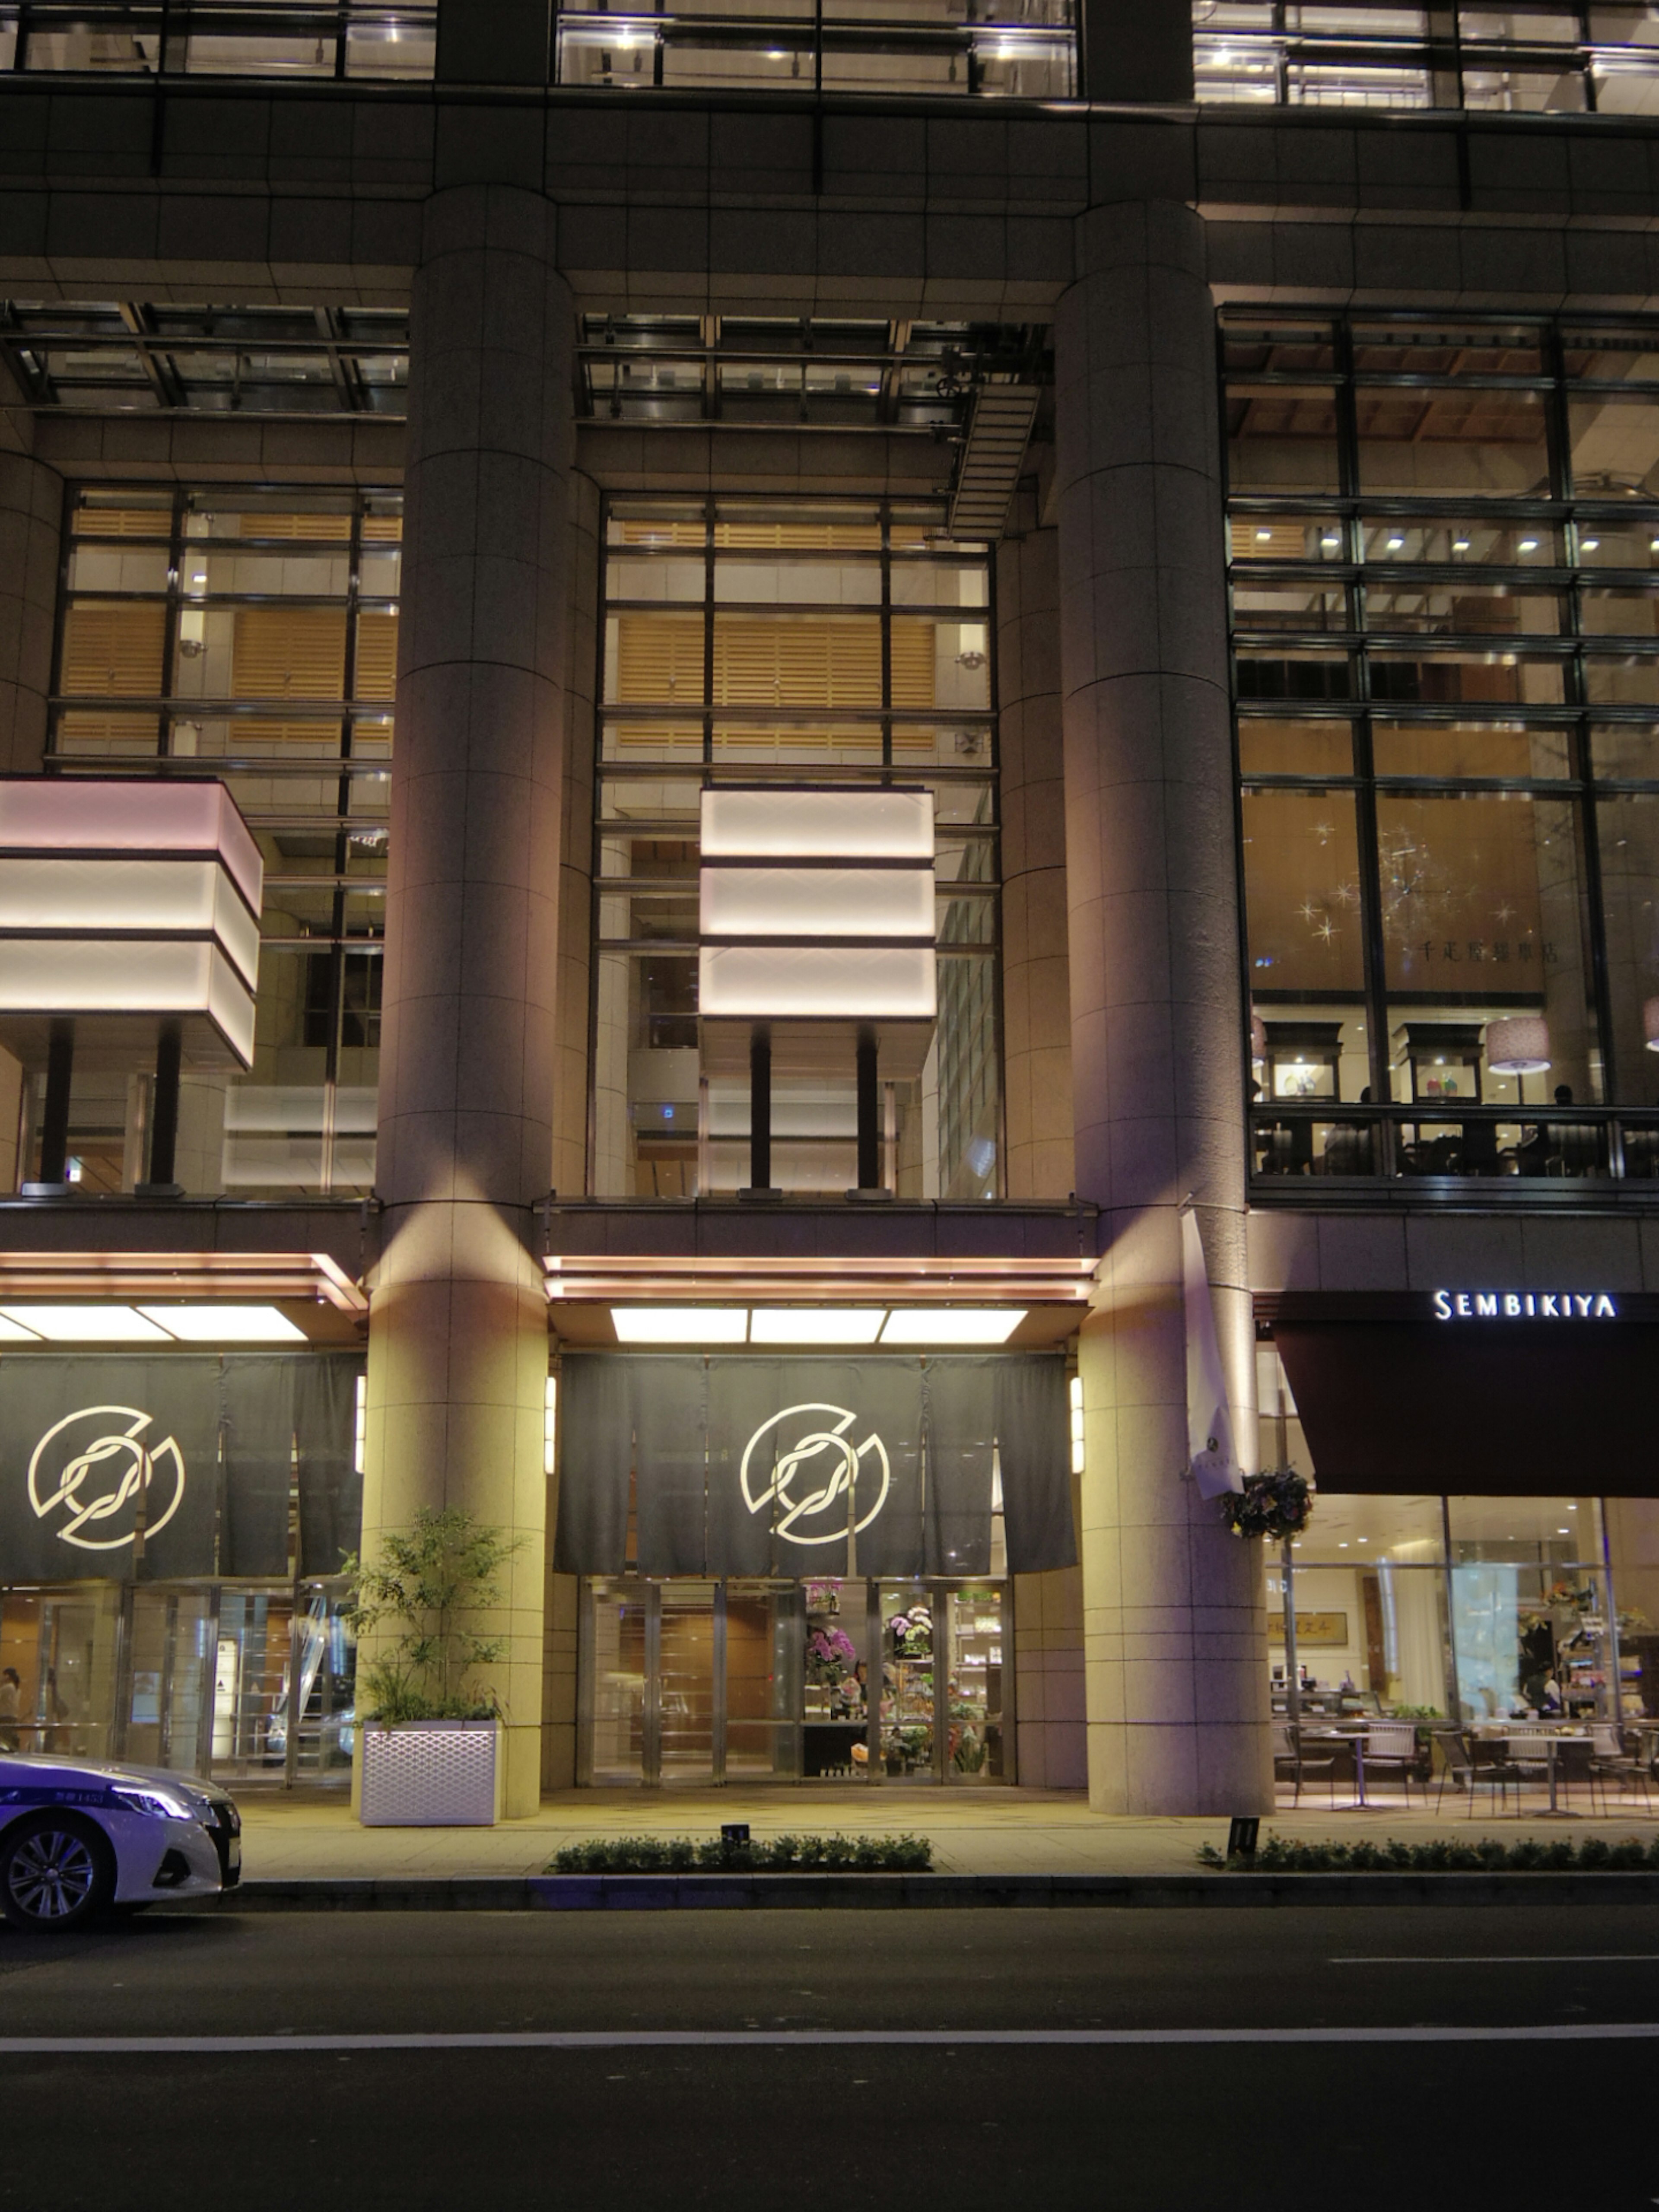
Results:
[431, 1747]
[1277, 1505]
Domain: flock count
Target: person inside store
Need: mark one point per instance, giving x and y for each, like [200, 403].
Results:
[11, 1692]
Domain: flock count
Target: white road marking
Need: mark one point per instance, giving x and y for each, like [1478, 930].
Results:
[1506, 1959]
[122, 2046]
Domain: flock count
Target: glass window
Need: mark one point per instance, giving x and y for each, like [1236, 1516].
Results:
[1270, 746]
[806, 656]
[1458, 441]
[256, 632]
[1282, 437]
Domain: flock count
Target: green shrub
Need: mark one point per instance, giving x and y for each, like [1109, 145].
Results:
[779, 1855]
[1443, 1854]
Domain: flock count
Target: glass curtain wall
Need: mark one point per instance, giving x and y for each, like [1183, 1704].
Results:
[253, 636]
[1431, 1606]
[822, 645]
[1444, 540]
[1540, 58]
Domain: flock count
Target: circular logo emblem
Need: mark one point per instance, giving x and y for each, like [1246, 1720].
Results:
[814, 1469]
[89, 1470]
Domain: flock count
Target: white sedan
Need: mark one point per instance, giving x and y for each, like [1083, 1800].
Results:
[78, 1837]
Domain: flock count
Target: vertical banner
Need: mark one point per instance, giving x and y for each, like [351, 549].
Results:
[1209, 1423]
[90, 1446]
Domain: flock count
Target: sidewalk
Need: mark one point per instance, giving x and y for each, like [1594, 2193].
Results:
[313, 1836]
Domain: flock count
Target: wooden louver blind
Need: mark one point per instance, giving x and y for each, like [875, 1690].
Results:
[288, 653]
[761, 663]
[113, 652]
[377, 656]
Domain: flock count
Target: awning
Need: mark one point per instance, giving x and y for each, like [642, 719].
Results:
[1511, 1406]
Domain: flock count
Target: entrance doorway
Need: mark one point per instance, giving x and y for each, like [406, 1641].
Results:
[697, 1682]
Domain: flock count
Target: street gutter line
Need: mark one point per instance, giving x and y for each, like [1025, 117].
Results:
[1506, 1959]
[120, 2046]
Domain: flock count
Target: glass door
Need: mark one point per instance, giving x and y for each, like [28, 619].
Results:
[617, 1627]
[973, 1677]
[909, 1744]
[253, 1647]
[763, 1671]
[62, 1649]
[684, 1681]
[834, 1736]
[171, 1637]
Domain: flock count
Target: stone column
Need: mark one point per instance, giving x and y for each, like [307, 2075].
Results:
[1174, 1607]
[458, 1335]
[1036, 1020]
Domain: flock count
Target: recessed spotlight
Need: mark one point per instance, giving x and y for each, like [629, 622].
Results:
[1589, 544]
[1528, 545]
[1460, 546]
[1263, 536]
[1395, 544]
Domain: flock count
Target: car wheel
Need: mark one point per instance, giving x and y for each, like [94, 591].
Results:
[57, 1873]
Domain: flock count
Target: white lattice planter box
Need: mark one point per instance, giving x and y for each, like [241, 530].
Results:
[432, 1774]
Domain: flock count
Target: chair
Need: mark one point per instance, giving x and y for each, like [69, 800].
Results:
[1610, 1762]
[1460, 1764]
[1288, 1754]
[1392, 1745]
[1528, 1756]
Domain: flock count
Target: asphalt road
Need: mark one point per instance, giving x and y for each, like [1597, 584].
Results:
[1219, 2061]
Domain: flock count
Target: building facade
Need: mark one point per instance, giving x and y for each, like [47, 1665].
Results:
[794, 799]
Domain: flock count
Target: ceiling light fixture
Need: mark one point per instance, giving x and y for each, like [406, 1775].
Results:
[816, 1324]
[225, 1324]
[680, 1324]
[944, 1325]
[87, 1324]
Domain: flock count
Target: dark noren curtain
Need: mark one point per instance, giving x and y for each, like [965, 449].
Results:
[596, 1449]
[1034, 1438]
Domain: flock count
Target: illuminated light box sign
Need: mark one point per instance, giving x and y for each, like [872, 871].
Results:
[818, 907]
[1524, 1305]
[125, 903]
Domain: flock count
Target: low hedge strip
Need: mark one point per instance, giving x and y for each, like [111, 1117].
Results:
[1487, 1855]
[765, 1855]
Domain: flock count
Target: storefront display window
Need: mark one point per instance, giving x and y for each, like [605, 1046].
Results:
[686, 1681]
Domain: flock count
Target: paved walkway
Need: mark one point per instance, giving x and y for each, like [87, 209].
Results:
[983, 1831]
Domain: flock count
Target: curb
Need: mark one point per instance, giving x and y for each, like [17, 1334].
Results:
[582, 1893]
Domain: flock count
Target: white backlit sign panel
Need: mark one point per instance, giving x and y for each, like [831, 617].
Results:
[817, 825]
[750, 983]
[127, 899]
[817, 902]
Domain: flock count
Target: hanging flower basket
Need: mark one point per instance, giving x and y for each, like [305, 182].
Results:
[1277, 1505]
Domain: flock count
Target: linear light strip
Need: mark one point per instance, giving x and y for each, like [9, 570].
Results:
[842, 1328]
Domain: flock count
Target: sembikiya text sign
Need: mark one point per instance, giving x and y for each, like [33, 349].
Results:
[1524, 1305]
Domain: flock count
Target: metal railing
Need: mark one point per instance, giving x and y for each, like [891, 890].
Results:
[184, 37]
[1559, 60]
[1021, 49]
[1566, 1145]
